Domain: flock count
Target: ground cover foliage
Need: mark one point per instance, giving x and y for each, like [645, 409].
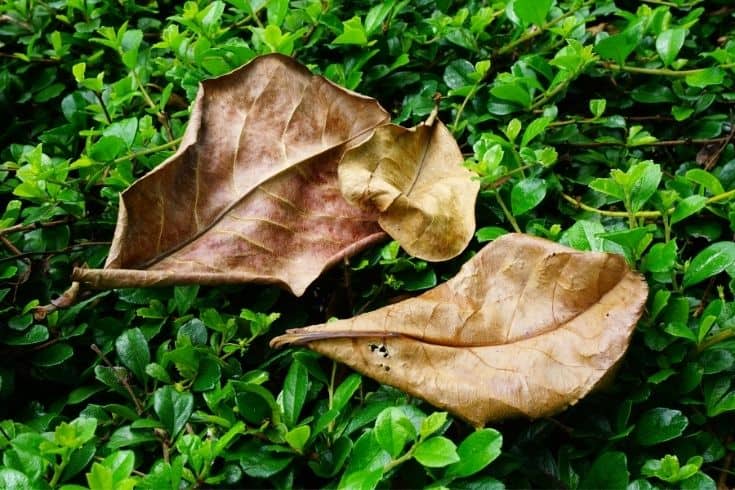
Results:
[601, 125]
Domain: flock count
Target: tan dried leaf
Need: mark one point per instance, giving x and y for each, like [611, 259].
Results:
[252, 193]
[527, 327]
[415, 180]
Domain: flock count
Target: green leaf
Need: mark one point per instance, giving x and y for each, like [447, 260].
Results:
[644, 180]
[477, 451]
[532, 11]
[393, 430]
[53, 355]
[633, 241]
[597, 107]
[619, 46]
[669, 43]
[709, 262]
[512, 92]
[659, 425]
[661, 257]
[208, 374]
[687, 207]
[125, 130]
[458, 74]
[436, 452]
[297, 437]
[376, 16]
[132, 348]
[706, 77]
[432, 423]
[75, 434]
[294, 392]
[705, 179]
[489, 233]
[126, 437]
[352, 33]
[121, 463]
[100, 478]
[277, 11]
[10, 478]
[527, 194]
[35, 335]
[584, 235]
[535, 128]
[609, 471]
[107, 148]
[173, 408]
[345, 390]
[184, 298]
[366, 465]
[608, 186]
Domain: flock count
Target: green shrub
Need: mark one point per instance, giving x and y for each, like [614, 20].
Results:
[603, 127]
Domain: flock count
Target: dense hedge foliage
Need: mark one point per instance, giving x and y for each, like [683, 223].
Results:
[602, 125]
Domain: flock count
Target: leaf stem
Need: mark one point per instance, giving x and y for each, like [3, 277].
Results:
[507, 213]
[665, 72]
[59, 469]
[544, 98]
[716, 339]
[162, 117]
[33, 226]
[147, 151]
[122, 379]
[639, 214]
[594, 144]
[460, 110]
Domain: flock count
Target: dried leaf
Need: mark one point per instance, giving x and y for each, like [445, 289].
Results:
[527, 327]
[415, 179]
[252, 193]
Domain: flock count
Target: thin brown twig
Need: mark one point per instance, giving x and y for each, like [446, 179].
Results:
[70, 248]
[10, 246]
[687, 141]
[712, 160]
[34, 226]
[725, 470]
[122, 379]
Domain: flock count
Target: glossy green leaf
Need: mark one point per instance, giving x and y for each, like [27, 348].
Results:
[294, 391]
[610, 470]
[669, 43]
[532, 11]
[173, 408]
[132, 348]
[436, 452]
[527, 194]
[687, 207]
[393, 430]
[659, 425]
[475, 452]
[709, 262]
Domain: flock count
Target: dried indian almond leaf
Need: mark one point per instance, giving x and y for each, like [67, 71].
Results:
[527, 327]
[252, 193]
[415, 179]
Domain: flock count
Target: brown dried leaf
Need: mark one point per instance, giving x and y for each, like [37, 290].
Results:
[527, 327]
[415, 179]
[252, 192]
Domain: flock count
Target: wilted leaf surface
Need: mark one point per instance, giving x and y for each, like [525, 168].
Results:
[252, 193]
[527, 327]
[415, 180]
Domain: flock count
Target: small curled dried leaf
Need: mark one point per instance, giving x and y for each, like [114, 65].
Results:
[416, 182]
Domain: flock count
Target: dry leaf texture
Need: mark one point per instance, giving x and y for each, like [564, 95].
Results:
[252, 192]
[527, 327]
[415, 180]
